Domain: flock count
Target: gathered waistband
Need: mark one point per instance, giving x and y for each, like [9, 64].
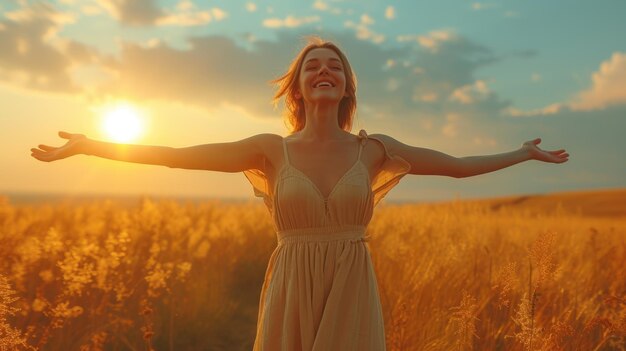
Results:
[351, 233]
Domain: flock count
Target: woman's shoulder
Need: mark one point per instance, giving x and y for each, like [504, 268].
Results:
[385, 141]
[381, 136]
[267, 143]
[268, 138]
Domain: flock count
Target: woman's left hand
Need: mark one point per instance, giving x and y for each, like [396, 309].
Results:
[556, 156]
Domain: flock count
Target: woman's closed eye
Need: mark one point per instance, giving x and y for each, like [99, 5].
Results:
[312, 68]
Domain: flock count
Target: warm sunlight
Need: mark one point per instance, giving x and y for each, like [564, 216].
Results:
[123, 123]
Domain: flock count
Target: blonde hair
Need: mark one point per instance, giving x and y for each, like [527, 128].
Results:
[288, 86]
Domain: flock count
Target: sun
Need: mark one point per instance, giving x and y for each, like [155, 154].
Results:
[122, 123]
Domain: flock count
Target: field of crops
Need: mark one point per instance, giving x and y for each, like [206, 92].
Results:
[167, 275]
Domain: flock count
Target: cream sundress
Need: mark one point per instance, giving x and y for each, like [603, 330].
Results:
[320, 291]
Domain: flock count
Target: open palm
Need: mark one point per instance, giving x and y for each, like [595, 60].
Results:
[556, 156]
[50, 153]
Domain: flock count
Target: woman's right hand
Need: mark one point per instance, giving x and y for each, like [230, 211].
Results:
[50, 153]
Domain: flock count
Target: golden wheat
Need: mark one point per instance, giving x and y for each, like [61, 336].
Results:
[165, 275]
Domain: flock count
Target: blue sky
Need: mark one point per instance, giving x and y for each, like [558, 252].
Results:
[466, 78]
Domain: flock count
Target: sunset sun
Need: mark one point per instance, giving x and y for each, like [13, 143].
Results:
[123, 123]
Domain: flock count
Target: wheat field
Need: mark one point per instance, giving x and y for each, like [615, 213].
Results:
[167, 275]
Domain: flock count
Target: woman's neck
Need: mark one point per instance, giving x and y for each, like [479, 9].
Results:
[321, 122]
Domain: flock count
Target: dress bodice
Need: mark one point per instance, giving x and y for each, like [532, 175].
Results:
[295, 202]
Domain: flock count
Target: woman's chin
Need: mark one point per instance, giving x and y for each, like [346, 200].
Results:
[325, 99]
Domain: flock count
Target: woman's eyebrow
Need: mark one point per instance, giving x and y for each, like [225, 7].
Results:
[315, 59]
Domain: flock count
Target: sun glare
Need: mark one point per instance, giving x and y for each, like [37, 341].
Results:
[122, 123]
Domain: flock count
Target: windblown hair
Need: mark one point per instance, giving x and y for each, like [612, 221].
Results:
[288, 86]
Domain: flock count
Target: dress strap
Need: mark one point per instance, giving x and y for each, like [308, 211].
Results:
[362, 140]
[285, 151]
[360, 149]
[362, 136]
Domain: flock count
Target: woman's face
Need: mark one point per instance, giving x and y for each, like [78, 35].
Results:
[322, 77]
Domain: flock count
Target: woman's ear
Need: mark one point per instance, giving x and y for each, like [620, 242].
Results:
[297, 94]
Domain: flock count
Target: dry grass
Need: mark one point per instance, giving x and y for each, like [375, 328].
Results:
[169, 276]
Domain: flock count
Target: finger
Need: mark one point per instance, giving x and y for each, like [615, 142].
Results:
[37, 156]
[65, 135]
[557, 152]
[47, 148]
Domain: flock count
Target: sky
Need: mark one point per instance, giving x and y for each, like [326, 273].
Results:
[461, 77]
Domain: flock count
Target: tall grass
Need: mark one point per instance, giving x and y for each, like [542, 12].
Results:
[170, 276]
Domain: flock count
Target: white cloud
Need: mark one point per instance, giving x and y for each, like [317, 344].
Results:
[428, 97]
[186, 19]
[548, 110]
[289, 21]
[153, 43]
[481, 5]
[218, 13]
[320, 5]
[390, 13]
[607, 89]
[184, 5]
[191, 18]
[363, 32]
[324, 6]
[251, 7]
[431, 41]
[35, 11]
[608, 86]
[366, 19]
[133, 12]
[470, 93]
[147, 13]
[33, 55]
[535, 77]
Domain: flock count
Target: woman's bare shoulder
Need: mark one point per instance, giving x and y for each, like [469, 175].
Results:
[267, 139]
[271, 148]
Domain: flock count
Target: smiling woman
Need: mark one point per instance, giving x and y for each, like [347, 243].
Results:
[122, 123]
[321, 184]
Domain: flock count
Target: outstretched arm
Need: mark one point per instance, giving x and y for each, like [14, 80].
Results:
[431, 162]
[236, 156]
[474, 165]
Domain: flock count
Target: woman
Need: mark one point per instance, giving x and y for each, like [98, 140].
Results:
[321, 184]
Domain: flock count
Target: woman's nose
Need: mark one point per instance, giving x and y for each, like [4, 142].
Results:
[323, 69]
